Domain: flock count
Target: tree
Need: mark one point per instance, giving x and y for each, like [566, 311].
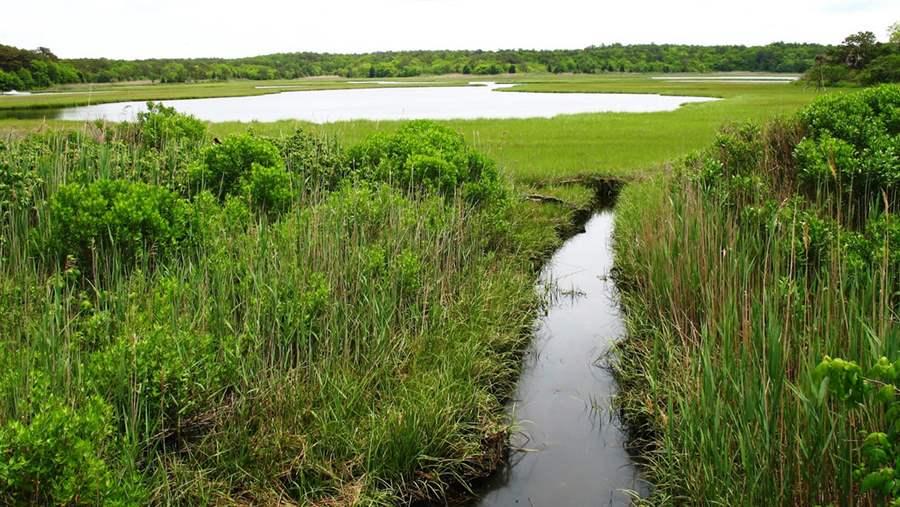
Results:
[857, 49]
[894, 33]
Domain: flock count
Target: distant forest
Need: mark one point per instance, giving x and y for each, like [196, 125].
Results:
[859, 59]
[22, 69]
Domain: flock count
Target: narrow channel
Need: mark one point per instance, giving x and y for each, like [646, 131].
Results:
[569, 448]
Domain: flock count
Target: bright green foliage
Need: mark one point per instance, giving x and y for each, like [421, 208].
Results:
[879, 469]
[853, 142]
[423, 156]
[291, 333]
[17, 185]
[133, 218]
[175, 375]
[270, 188]
[225, 166]
[315, 160]
[57, 457]
[759, 256]
[160, 125]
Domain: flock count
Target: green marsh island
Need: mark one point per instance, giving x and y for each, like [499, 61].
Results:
[355, 272]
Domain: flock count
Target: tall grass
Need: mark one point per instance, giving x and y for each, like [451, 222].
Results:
[354, 349]
[734, 294]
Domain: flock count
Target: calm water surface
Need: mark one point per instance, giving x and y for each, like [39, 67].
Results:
[323, 106]
[572, 452]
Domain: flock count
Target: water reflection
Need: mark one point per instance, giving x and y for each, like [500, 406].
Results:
[323, 106]
[570, 449]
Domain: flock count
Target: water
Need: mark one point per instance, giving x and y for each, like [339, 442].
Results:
[726, 78]
[575, 450]
[323, 106]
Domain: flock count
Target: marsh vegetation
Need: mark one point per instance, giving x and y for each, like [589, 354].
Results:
[792, 236]
[257, 320]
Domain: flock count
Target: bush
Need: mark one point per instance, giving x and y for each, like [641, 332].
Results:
[133, 217]
[424, 157]
[853, 143]
[176, 376]
[225, 166]
[879, 453]
[17, 184]
[270, 188]
[57, 457]
[160, 125]
[318, 162]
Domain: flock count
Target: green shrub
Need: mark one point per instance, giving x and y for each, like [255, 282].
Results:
[160, 125]
[853, 143]
[424, 157]
[884, 69]
[57, 457]
[133, 217]
[319, 163]
[176, 376]
[878, 468]
[17, 184]
[270, 188]
[225, 167]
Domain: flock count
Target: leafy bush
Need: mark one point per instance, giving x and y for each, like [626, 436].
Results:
[160, 125]
[57, 457]
[270, 188]
[318, 162]
[853, 143]
[133, 217]
[175, 375]
[422, 157]
[17, 186]
[225, 166]
[879, 469]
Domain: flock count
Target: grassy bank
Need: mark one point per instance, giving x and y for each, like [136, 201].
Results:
[84, 94]
[261, 321]
[759, 256]
[619, 144]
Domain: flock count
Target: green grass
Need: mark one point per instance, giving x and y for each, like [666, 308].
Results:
[83, 94]
[738, 273]
[354, 350]
[536, 150]
[616, 144]
[358, 348]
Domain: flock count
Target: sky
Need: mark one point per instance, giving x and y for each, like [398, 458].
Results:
[134, 29]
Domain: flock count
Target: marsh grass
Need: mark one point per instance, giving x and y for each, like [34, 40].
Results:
[355, 349]
[729, 309]
[542, 150]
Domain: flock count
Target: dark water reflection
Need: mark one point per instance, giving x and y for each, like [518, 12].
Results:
[571, 450]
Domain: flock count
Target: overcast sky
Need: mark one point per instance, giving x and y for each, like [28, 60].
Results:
[197, 28]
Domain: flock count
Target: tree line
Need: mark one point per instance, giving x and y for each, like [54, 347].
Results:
[24, 69]
[859, 59]
[27, 69]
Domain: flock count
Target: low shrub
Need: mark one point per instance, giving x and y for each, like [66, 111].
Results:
[425, 157]
[853, 143]
[318, 162]
[160, 125]
[134, 218]
[270, 188]
[176, 376]
[224, 167]
[57, 457]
